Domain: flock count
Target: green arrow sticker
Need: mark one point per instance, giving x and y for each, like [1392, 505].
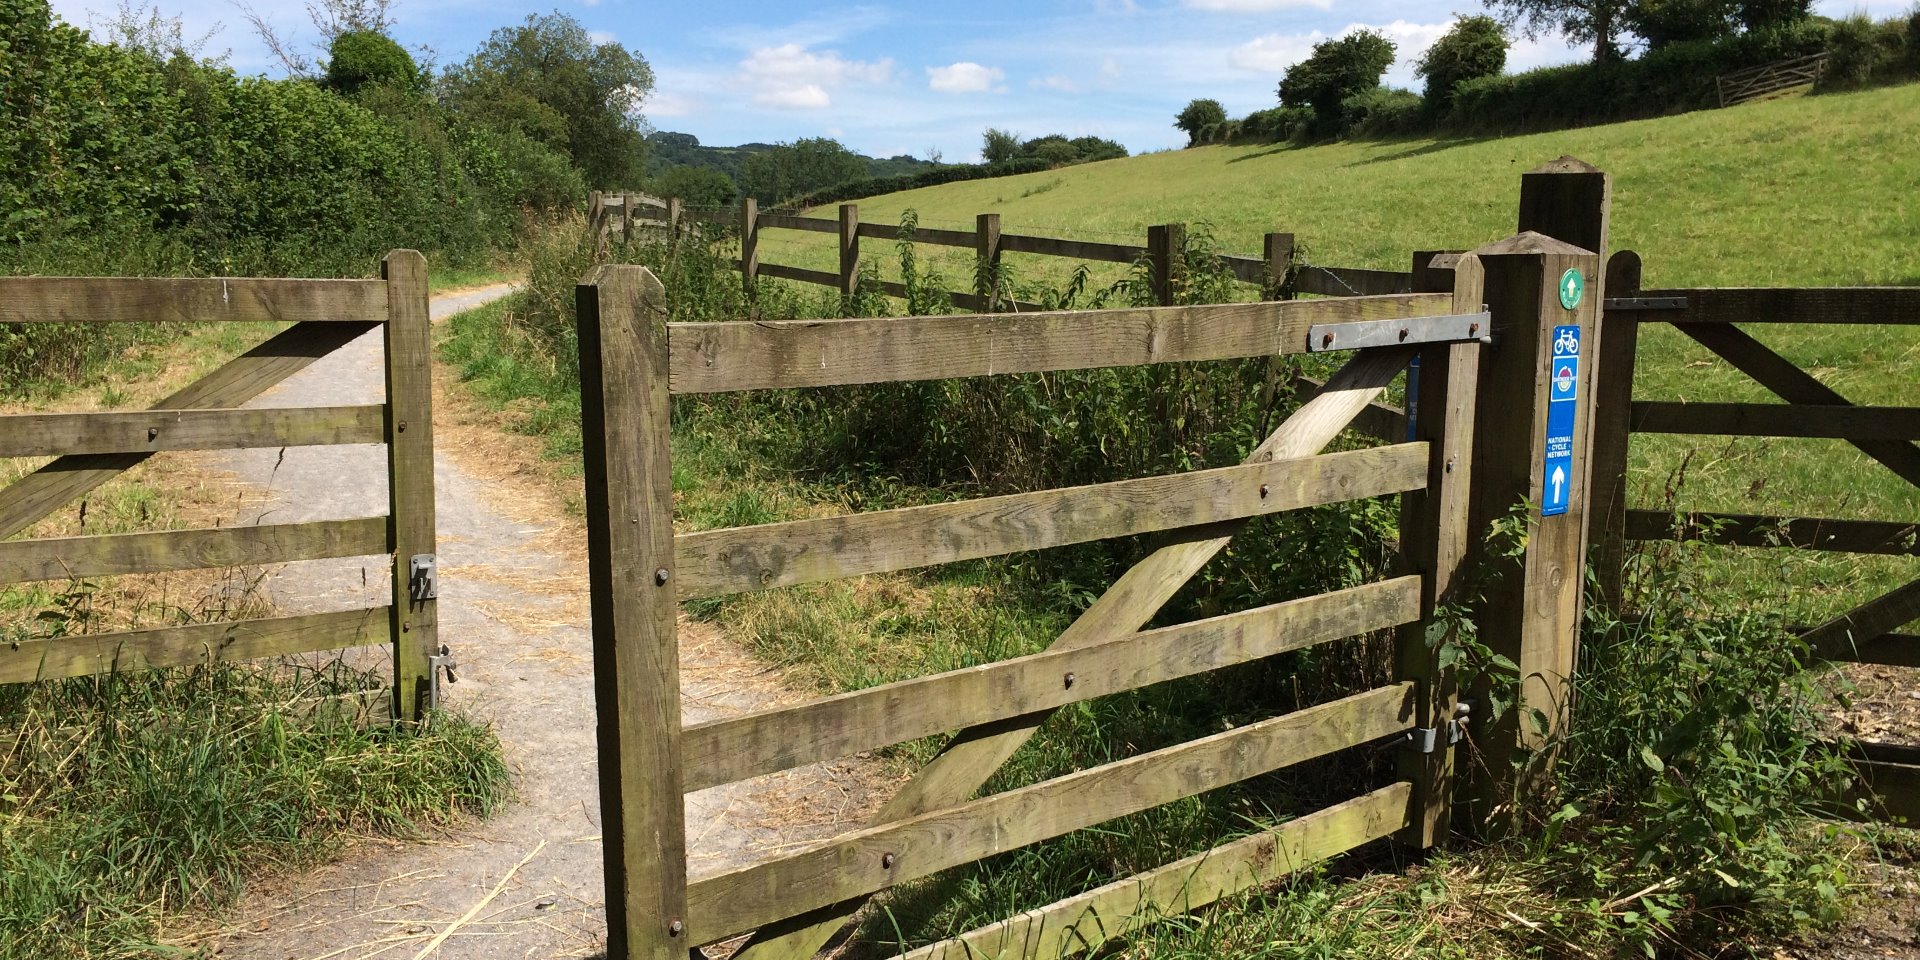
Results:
[1573, 286]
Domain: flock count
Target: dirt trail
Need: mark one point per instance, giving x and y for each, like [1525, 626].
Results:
[512, 607]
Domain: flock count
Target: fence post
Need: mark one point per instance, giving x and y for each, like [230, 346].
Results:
[1166, 248]
[1613, 428]
[1278, 248]
[626, 217]
[410, 508]
[675, 212]
[1435, 538]
[986, 282]
[849, 248]
[750, 246]
[1529, 605]
[636, 674]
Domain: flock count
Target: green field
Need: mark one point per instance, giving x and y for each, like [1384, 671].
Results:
[1810, 191]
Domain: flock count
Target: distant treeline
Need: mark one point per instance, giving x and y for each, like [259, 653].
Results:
[1336, 92]
[819, 170]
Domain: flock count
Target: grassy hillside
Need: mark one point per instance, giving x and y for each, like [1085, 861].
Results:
[1812, 191]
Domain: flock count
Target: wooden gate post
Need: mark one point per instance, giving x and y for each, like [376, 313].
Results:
[1435, 538]
[410, 508]
[750, 247]
[675, 213]
[621, 311]
[1529, 610]
[986, 233]
[1278, 248]
[1167, 248]
[849, 248]
[1613, 429]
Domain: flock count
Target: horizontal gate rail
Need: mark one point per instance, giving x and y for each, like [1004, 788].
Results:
[1878, 306]
[739, 559]
[61, 558]
[143, 431]
[1079, 924]
[723, 357]
[27, 500]
[1075, 249]
[1805, 533]
[1828, 421]
[733, 749]
[192, 645]
[870, 860]
[220, 299]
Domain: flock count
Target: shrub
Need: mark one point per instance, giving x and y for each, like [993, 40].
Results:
[1862, 51]
[1198, 119]
[363, 58]
[1338, 70]
[1475, 47]
[1384, 112]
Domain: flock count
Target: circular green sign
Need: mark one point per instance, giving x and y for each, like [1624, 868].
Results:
[1573, 286]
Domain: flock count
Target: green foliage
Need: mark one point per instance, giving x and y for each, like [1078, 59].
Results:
[697, 186]
[999, 146]
[182, 784]
[1338, 70]
[790, 170]
[1863, 52]
[854, 190]
[1663, 22]
[1581, 21]
[364, 58]
[1475, 47]
[1197, 117]
[1385, 112]
[549, 80]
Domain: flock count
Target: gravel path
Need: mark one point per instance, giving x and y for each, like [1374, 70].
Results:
[512, 607]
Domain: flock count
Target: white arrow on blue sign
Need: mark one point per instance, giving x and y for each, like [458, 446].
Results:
[1563, 394]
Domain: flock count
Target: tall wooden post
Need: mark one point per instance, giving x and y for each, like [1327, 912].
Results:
[1613, 429]
[1278, 249]
[676, 211]
[1167, 249]
[627, 203]
[1435, 538]
[750, 246]
[621, 311]
[410, 510]
[986, 233]
[849, 248]
[1527, 459]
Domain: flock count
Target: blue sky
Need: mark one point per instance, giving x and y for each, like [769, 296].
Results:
[892, 78]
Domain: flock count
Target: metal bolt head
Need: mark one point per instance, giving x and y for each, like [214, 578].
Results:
[676, 928]
[153, 433]
[887, 860]
[1326, 340]
[401, 427]
[1405, 333]
[660, 576]
[1067, 681]
[1264, 490]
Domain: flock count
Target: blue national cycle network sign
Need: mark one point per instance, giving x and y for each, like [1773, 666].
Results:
[1563, 394]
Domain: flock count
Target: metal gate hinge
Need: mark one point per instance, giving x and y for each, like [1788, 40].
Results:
[1427, 739]
[423, 579]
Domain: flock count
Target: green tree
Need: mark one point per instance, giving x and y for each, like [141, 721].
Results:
[1198, 116]
[1582, 21]
[788, 170]
[1767, 14]
[1475, 47]
[1338, 69]
[1663, 22]
[697, 186]
[999, 146]
[549, 80]
[364, 58]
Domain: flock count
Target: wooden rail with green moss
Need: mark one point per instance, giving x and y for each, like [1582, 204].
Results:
[89, 449]
[632, 361]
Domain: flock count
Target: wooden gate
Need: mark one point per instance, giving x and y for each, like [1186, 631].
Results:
[92, 448]
[1869, 632]
[632, 362]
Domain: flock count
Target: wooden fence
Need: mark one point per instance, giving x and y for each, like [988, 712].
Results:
[1767, 80]
[1466, 463]
[1277, 271]
[93, 448]
[624, 214]
[1866, 634]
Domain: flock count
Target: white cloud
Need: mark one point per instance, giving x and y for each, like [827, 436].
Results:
[965, 77]
[1057, 83]
[665, 103]
[1257, 6]
[1273, 53]
[791, 77]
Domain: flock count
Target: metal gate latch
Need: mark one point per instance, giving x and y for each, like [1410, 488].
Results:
[423, 580]
[436, 663]
[1427, 739]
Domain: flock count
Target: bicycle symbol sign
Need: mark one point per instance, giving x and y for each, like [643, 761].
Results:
[1557, 474]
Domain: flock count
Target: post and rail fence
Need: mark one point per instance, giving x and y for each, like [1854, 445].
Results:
[89, 449]
[1770, 80]
[1489, 421]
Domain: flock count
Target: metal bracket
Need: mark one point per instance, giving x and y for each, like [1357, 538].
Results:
[436, 663]
[1646, 303]
[1427, 739]
[1360, 334]
[423, 578]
